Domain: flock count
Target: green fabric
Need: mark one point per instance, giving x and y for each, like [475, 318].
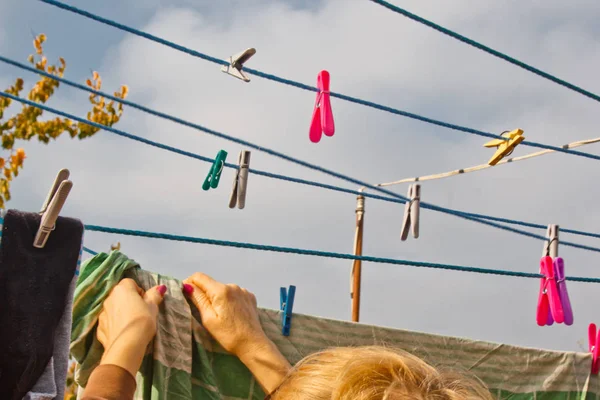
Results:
[183, 362]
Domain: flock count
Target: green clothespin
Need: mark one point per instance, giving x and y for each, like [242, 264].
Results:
[214, 175]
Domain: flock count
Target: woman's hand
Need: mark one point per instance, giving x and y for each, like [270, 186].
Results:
[127, 324]
[229, 313]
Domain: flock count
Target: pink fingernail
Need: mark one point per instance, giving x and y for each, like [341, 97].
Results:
[162, 289]
[187, 289]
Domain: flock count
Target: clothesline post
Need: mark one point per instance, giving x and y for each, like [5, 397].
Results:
[357, 265]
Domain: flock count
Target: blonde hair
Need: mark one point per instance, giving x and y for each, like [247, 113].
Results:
[374, 373]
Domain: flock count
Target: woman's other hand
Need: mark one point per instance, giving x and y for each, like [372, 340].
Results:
[229, 313]
[127, 324]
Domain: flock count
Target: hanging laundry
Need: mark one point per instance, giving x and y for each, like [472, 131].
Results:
[35, 287]
[199, 368]
[322, 120]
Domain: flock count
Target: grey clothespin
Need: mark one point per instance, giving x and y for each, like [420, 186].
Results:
[411, 212]
[52, 206]
[551, 243]
[240, 182]
[236, 63]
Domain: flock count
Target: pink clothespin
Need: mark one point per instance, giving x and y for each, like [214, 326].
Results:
[322, 120]
[559, 271]
[549, 307]
[594, 346]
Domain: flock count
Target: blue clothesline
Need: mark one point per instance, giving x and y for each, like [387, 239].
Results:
[279, 249]
[263, 173]
[88, 250]
[486, 49]
[307, 87]
[402, 199]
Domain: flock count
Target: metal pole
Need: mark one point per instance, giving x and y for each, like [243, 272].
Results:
[356, 268]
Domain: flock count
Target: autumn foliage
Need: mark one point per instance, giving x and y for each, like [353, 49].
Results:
[28, 124]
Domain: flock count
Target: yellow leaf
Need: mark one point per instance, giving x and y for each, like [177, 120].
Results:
[20, 155]
[89, 83]
[124, 90]
[96, 75]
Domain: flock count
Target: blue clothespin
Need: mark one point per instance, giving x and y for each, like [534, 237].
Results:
[286, 304]
[214, 175]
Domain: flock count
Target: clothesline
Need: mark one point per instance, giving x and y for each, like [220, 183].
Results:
[481, 167]
[303, 86]
[486, 49]
[468, 216]
[402, 199]
[279, 249]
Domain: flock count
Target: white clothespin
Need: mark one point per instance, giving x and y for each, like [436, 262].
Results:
[52, 206]
[411, 212]
[240, 182]
[236, 63]
[551, 244]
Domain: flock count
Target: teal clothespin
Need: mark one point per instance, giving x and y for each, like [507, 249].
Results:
[214, 175]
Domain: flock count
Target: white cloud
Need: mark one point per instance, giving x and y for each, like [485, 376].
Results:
[374, 54]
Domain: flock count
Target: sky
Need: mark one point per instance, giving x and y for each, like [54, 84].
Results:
[371, 53]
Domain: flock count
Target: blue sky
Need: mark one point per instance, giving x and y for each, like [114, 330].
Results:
[370, 53]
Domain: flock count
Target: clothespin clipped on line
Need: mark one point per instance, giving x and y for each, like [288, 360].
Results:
[549, 308]
[563, 294]
[558, 269]
[286, 304]
[594, 347]
[214, 174]
[505, 147]
[52, 206]
[240, 181]
[551, 243]
[322, 119]
[236, 63]
[115, 246]
[411, 212]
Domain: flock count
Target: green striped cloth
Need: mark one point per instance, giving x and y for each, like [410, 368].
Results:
[183, 362]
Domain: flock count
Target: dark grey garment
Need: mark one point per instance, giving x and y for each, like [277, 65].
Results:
[34, 285]
[51, 384]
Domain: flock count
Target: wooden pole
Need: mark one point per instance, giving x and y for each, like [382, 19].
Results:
[357, 266]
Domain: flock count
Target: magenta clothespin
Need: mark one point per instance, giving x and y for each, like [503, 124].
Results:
[548, 299]
[559, 270]
[594, 342]
[322, 120]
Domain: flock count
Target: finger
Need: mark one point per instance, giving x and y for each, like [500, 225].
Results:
[202, 302]
[130, 284]
[155, 295]
[207, 284]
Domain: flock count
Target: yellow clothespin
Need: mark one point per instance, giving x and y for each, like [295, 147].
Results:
[505, 147]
